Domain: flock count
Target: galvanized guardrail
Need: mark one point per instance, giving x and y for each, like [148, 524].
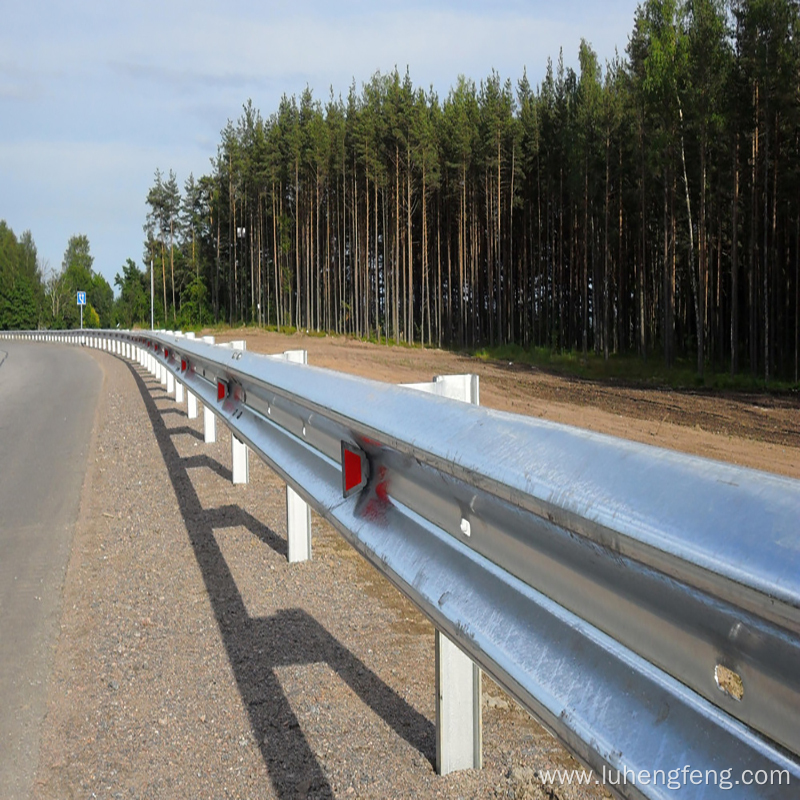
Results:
[643, 604]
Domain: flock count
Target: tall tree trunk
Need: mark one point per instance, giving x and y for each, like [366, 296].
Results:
[641, 278]
[172, 266]
[605, 256]
[751, 267]
[585, 282]
[735, 260]
[765, 254]
[410, 250]
[164, 277]
[667, 295]
[698, 306]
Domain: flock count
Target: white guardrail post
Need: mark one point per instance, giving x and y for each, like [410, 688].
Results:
[209, 419]
[459, 725]
[298, 512]
[191, 399]
[240, 460]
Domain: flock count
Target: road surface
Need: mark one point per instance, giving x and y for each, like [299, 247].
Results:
[48, 396]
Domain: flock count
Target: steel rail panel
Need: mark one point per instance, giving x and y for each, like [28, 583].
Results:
[673, 609]
[569, 674]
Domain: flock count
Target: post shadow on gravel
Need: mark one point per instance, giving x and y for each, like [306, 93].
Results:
[257, 647]
[179, 412]
[235, 517]
[203, 461]
[186, 430]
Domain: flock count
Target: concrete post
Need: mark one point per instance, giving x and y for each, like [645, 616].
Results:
[178, 391]
[170, 381]
[459, 728]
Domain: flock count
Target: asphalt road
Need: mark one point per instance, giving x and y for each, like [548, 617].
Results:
[48, 396]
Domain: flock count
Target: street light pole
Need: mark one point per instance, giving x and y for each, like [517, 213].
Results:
[240, 234]
[151, 295]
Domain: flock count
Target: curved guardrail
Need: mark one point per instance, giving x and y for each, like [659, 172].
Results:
[643, 604]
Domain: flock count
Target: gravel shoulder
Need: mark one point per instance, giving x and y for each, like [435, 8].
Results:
[194, 662]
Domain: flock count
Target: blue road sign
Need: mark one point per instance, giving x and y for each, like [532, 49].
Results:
[81, 298]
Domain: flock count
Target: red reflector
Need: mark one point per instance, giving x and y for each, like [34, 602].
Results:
[355, 469]
[183, 365]
[222, 390]
[166, 353]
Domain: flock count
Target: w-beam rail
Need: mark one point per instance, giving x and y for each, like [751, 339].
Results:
[643, 604]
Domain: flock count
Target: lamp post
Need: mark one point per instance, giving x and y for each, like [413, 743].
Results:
[151, 294]
[240, 234]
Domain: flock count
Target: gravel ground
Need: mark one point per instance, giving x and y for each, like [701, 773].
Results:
[195, 662]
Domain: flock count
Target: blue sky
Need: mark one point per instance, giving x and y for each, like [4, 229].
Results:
[95, 96]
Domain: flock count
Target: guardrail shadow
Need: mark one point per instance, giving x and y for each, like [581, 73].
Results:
[257, 647]
[177, 411]
[235, 517]
[196, 462]
[186, 430]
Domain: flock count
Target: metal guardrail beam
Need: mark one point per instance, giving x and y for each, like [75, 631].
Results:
[644, 604]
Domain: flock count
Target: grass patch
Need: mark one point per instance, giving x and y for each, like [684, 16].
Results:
[621, 369]
[630, 369]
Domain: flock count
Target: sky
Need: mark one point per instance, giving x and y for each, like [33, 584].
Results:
[95, 96]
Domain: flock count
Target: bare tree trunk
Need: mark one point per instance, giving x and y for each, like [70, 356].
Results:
[765, 254]
[698, 310]
[735, 261]
[797, 299]
[172, 267]
[164, 277]
[410, 253]
[641, 282]
[585, 282]
[605, 257]
[377, 291]
[667, 295]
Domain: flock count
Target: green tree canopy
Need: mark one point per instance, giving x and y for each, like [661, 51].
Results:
[21, 290]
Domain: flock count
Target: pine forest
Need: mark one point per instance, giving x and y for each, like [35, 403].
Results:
[649, 205]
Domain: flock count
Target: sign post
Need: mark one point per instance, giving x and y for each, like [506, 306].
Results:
[81, 303]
